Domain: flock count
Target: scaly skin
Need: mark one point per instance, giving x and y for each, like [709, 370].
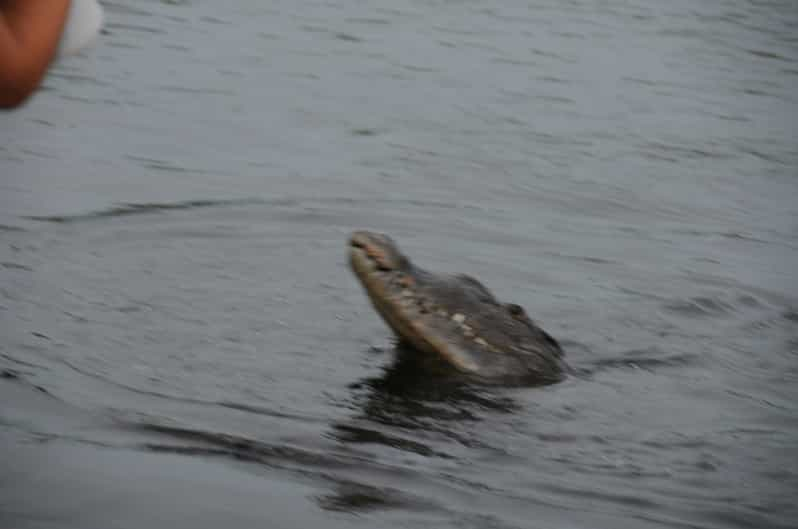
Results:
[453, 316]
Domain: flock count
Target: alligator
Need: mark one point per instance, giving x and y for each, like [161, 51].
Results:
[454, 317]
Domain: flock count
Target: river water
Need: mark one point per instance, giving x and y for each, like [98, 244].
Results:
[183, 344]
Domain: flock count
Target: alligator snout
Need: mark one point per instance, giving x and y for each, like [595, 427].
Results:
[376, 249]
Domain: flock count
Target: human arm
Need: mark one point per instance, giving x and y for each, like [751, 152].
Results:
[29, 34]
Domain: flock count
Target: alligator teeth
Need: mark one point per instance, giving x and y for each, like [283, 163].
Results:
[480, 341]
[458, 318]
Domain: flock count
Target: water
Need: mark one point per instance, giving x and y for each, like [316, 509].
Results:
[183, 343]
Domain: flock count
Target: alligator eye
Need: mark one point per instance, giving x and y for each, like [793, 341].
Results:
[516, 310]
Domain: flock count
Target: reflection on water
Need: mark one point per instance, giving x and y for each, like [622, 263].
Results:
[417, 395]
[416, 387]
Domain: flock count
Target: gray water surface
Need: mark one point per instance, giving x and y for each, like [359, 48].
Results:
[182, 343]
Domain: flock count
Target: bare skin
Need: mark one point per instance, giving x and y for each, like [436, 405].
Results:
[29, 34]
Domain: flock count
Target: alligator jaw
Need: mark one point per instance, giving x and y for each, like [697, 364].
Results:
[379, 278]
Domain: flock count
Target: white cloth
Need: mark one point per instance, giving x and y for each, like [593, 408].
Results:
[82, 26]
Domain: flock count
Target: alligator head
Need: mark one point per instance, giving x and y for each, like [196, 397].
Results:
[453, 316]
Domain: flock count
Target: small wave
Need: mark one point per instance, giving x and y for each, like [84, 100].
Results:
[25, 363]
[233, 446]
[15, 266]
[9, 373]
[646, 359]
[184, 450]
[746, 306]
[734, 235]
[144, 208]
[700, 306]
[764, 54]
[582, 494]
[18, 376]
[134, 28]
[674, 153]
[780, 320]
[791, 315]
[247, 408]
[348, 495]
[188, 90]
[585, 258]
[358, 435]
[259, 410]
[676, 441]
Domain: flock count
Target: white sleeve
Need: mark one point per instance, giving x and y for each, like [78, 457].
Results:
[83, 24]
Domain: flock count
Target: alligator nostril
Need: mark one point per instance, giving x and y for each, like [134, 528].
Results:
[515, 310]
